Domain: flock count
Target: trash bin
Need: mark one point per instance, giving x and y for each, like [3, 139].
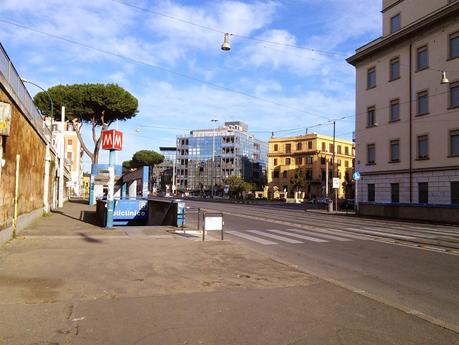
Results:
[330, 206]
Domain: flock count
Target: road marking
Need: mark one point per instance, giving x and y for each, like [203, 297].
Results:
[308, 238]
[249, 237]
[337, 232]
[383, 233]
[330, 237]
[280, 238]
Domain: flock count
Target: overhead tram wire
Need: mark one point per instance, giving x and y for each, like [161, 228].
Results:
[325, 52]
[148, 64]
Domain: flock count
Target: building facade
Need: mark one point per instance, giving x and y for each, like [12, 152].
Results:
[73, 155]
[163, 174]
[206, 157]
[300, 165]
[407, 117]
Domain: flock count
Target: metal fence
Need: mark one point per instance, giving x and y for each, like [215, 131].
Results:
[23, 96]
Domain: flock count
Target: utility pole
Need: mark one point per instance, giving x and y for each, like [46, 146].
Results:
[326, 178]
[335, 190]
[61, 160]
[213, 158]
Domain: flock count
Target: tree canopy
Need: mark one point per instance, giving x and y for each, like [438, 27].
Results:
[143, 158]
[96, 104]
[237, 185]
[299, 180]
[146, 157]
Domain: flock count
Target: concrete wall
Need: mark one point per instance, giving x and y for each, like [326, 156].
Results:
[438, 214]
[24, 141]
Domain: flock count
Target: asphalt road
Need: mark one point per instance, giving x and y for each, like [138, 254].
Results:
[413, 267]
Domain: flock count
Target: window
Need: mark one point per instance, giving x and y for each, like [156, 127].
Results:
[394, 192]
[423, 103]
[346, 164]
[299, 161]
[287, 161]
[371, 78]
[394, 69]
[422, 58]
[395, 23]
[371, 155]
[275, 161]
[69, 142]
[288, 148]
[309, 145]
[324, 147]
[339, 162]
[394, 110]
[371, 192]
[346, 150]
[339, 149]
[454, 45]
[455, 193]
[423, 147]
[284, 174]
[298, 146]
[423, 191]
[69, 155]
[331, 147]
[454, 142]
[371, 117]
[454, 95]
[309, 160]
[322, 160]
[276, 174]
[395, 151]
[276, 147]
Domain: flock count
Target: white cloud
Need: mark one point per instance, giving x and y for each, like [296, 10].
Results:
[299, 61]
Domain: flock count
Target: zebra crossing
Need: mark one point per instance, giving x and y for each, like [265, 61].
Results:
[310, 234]
[290, 236]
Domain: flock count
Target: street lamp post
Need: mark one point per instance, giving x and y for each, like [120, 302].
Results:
[47, 157]
[47, 93]
[214, 121]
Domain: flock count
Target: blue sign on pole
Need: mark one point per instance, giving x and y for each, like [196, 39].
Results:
[356, 176]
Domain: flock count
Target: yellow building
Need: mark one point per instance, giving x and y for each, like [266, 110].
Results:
[298, 165]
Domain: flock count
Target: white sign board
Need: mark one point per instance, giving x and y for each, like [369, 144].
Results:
[111, 184]
[335, 182]
[5, 118]
[213, 222]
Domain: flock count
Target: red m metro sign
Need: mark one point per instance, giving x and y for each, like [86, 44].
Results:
[112, 140]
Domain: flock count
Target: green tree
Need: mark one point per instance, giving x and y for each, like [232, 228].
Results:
[298, 181]
[237, 185]
[126, 166]
[96, 104]
[146, 157]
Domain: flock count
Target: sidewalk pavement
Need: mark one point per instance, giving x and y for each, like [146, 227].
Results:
[67, 281]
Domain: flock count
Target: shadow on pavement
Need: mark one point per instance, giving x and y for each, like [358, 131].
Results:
[89, 238]
[89, 217]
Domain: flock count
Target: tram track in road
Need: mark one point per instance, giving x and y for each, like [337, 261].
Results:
[390, 232]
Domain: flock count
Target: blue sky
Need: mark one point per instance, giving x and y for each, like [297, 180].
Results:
[301, 87]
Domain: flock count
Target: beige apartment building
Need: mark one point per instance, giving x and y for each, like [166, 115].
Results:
[407, 116]
[312, 154]
[72, 154]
